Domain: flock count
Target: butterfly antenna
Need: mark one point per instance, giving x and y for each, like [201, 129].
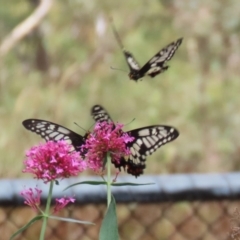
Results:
[130, 122]
[91, 126]
[113, 68]
[116, 34]
[80, 127]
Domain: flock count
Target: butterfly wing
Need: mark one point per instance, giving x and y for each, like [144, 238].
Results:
[155, 65]
[132, 63]
[147, 141]
[99, 114]
[53, 132]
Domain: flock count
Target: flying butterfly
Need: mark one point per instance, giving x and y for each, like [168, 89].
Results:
[146, 141]
[155, 65]
[54, 132]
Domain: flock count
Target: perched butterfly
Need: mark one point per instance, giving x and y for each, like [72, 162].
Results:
[53, 132]
[146, 141]
[155, 65]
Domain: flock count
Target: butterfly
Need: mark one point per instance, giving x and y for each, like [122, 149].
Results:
[146, 141]
[54, 132]
[155, 65]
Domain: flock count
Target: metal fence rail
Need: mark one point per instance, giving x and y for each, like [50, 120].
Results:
[175, 207]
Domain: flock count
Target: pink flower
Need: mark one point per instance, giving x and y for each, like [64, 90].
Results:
[61, 203]
[106, 137]
[32, 199]
[53, 160]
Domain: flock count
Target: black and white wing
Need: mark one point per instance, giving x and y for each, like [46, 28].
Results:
[146, 141]
[53, 132]
[156, 64]
[133, 65]
[99, 114]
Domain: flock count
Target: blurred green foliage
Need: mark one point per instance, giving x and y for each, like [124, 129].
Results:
[62, 68]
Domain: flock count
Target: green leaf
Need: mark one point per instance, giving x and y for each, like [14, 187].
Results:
[105, 183]
[71, 220]
[26, 226]
[130, 184]
[86, 182]
[109, 228]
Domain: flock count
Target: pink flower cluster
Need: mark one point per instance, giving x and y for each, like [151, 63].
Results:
[53, 160]
[33, 199]
[61, 203]
[106, 138]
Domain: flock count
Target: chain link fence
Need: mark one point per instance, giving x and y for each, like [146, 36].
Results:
[176, 207]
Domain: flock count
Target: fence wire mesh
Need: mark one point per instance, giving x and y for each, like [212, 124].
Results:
[152, 220]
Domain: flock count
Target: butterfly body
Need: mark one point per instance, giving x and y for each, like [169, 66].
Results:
[146, 141]
[54, 132]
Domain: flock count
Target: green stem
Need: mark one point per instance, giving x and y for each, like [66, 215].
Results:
[109, 181]
[46, 213]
